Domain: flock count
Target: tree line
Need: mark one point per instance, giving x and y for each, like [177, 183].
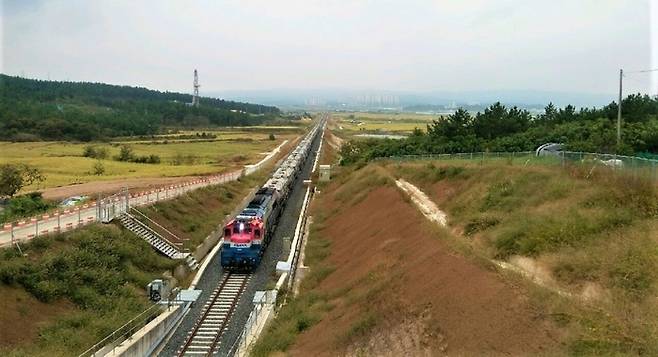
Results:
[502, 129]
[50, 110]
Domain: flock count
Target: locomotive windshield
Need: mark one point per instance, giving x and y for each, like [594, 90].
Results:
[241, 227]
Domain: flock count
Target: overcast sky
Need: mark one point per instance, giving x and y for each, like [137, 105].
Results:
[415, 45]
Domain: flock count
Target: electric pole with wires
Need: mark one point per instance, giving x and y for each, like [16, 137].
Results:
[621, 78]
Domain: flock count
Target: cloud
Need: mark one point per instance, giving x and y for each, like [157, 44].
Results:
[427, 45]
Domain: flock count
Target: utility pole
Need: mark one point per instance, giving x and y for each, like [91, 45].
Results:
[621, 75]
[195, 96]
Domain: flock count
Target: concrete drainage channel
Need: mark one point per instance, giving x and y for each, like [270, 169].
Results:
[170, 333]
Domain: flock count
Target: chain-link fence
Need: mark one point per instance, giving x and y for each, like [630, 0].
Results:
[637, 167]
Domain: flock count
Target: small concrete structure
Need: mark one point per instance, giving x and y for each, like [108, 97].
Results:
[282, 267]
[190, 295]
[265, 297]
[325, 173]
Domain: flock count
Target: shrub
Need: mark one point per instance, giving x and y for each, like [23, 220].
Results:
[95, 152]
[125, 154]
[25, 205]
[13, 177]
[98, 169]
[150, 159]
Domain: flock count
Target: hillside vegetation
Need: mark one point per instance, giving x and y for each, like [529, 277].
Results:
[85, 284]
[502, 129]
[385, 281]
[32, 110]
[593, 234]
[589, 237]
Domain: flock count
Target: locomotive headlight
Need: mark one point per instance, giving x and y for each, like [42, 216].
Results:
[241, 227]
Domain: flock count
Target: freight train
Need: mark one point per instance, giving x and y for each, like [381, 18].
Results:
[247, 235]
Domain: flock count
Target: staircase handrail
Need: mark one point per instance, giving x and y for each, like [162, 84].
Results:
[172, 245]
[156, 223]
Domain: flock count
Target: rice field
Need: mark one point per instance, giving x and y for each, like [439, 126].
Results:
[350, 124]
[63, 163]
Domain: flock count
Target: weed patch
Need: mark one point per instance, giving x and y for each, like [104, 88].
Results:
[102, 270]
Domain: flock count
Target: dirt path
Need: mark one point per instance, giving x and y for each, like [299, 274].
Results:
[399, 289]
[105, 187]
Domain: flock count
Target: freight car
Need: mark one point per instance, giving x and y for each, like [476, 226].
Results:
[247, 235]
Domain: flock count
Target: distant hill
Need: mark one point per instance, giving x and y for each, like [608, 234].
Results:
[50, 110]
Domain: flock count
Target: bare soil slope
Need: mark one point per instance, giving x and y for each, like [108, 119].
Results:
[21, 316]
[399, 289]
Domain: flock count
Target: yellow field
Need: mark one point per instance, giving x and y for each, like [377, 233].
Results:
[393, 123]
[254, 133]
[63, 164]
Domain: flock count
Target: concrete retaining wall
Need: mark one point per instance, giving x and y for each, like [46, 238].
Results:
[148, 338]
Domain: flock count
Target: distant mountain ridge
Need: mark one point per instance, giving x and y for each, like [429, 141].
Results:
[32, 110]
[44, 90]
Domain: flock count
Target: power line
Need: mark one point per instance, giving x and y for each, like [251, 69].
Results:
[642, 71]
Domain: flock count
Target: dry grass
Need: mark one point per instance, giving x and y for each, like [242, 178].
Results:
[63, 163]
[587, 230]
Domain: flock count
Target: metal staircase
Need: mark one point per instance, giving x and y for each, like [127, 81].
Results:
[156, 240]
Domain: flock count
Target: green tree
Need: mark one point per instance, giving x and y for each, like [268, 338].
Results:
[13, 177]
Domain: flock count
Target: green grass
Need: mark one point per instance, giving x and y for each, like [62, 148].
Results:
[102, 270]
[63, 164]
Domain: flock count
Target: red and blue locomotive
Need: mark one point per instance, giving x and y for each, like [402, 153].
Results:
[247, 235]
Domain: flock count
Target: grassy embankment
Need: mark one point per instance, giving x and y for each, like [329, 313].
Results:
[64, 164]
[589, 233]
[592, 233]
[73, 289]
[194, 216]
[311, 305]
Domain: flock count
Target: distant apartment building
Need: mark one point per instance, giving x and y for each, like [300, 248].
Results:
[378, 100]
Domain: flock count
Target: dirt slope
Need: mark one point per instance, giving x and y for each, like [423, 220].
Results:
[399, 289]
[21, 316]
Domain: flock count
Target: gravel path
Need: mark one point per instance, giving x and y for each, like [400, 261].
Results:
[260, 278]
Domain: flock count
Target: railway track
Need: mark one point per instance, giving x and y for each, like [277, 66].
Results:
[203, 339]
